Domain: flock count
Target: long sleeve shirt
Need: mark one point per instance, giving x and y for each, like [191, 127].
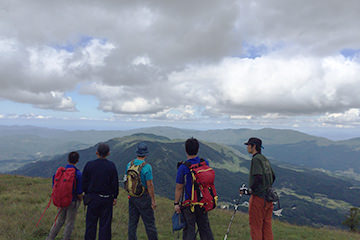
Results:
[101, 177]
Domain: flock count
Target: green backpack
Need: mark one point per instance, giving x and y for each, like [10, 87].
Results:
[133, 183]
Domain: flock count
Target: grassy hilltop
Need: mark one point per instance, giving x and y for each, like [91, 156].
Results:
[22, 200]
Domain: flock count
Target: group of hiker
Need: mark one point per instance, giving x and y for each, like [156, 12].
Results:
[195, 195]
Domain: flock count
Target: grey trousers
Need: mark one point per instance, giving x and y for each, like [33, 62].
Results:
[68, 216]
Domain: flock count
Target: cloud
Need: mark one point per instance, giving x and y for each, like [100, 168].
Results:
[41, 75]
[240, 60]
[272, 84]
[348, 118]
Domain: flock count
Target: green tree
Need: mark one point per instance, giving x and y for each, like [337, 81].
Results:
[353, 219]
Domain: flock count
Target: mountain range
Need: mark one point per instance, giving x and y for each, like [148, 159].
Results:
[308, 197]
[337, 158]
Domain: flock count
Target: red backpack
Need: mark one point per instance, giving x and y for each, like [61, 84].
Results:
[203, 192]
[62, 193]
[64, 182]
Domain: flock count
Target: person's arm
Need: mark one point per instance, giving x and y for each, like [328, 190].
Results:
[258, 180]
[178, 192]
[150, 187]
[273, 174]
[179, 189]
[79, 190]
[115, 184]
[257, 173]
[85, 179]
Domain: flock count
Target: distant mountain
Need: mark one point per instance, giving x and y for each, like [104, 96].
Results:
[282, 145]
[308, 197]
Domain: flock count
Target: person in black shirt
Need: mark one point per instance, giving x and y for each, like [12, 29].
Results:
[101, 187]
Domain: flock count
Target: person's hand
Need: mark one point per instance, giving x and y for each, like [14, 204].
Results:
[177, 208]
[242, 192]
[80, 197]
[153, 205]
[114, 202]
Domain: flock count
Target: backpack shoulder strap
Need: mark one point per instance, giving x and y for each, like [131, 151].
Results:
[187, 164]
[141, 166]
[132, 163]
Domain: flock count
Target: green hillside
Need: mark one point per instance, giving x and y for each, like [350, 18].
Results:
[23, 200]
[307, 197]
[289, 146]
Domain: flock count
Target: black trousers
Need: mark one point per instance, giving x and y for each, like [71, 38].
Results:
[201, 219]
[99, 210]
[141, 207]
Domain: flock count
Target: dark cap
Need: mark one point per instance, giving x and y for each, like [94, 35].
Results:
[142, 150]
[254, 141]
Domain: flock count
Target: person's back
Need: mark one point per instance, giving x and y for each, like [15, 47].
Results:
[100, 177]
[101, 187]
[68, 214]
[142, 205]
[192, 214]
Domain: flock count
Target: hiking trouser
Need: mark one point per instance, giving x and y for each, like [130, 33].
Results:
[141, 207]
[260, 214]
[201, 219]
[67, 215]
[99, 210]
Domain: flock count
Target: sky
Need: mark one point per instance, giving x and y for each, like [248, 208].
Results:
[190, 64]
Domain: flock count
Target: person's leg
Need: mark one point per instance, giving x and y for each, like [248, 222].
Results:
[55, 229]
[190, 219]
[106, 219]
[92, 217]
[267, 228]
[134, 216]
[202, 221]
[256, 217]
[70, 219]
[147, 215]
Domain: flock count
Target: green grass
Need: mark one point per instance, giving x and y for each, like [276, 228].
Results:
[22, 200]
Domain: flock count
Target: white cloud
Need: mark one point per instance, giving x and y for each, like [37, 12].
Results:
[272, 85]
[179, 60]
[25, 116]
[41, 75]
[144, 60]
[348, 118]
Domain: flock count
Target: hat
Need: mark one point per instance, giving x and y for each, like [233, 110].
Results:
[254, 141]
[142, 150]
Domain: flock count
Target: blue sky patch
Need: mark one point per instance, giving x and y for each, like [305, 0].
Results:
[350, 52]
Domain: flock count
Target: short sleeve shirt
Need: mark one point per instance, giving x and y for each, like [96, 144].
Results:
[260, 165]
[146, 171]
[184, 177]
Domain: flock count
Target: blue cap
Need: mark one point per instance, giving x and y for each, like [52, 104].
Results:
[142, 150]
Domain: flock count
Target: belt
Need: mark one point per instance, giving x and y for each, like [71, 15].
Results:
[104, 196]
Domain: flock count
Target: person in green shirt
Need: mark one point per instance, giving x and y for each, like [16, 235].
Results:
[261, 178]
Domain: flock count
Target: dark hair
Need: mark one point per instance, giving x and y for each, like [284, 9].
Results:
[192, 146]
[257, 147]
[73, 157]
[103, 149]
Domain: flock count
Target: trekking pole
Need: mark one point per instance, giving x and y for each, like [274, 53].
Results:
[245, 190]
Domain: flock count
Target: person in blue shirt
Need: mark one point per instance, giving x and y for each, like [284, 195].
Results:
[184, 184]
[68, 215]
[144, 205]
